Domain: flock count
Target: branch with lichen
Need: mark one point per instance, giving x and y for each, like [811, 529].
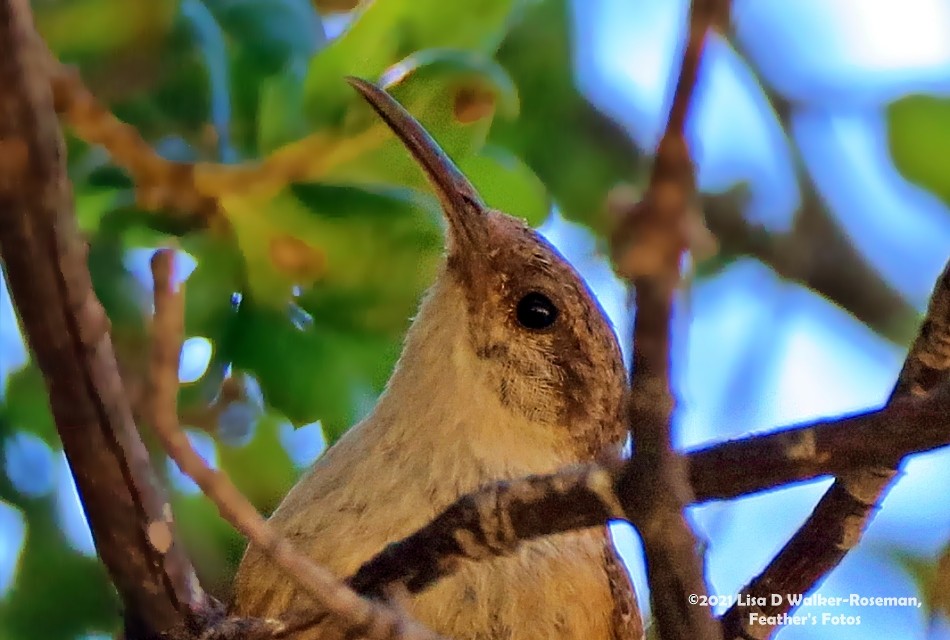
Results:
[496, 519]
[841, 516]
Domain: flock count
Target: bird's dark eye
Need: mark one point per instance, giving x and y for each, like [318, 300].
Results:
[536, 311]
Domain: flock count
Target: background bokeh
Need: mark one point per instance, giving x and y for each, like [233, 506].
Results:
[821, 129]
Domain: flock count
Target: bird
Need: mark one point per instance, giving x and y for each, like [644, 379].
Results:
[509, 368]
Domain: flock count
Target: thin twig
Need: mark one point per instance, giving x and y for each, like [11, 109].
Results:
[67, 330]
[194, 190]
[648, 247]
[358, 617]
[507, 513]
[841, 516]
[160, 184]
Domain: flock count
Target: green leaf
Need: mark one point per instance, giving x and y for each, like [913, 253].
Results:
[382, 243]
[453, 95]
[575, 150]
[262, 470]
[309, 373]
[175, 94]
[56, 590]
[507, 184]
[109, 176]
[932, 576]
[219, 274]
[385, 31]
[274, 31]
[280, 118]
[209, 308]
[384, 247]
[379, 250]
[235, 47]
[107, 25]
[26, 405]
[282, 247]
[919, 135]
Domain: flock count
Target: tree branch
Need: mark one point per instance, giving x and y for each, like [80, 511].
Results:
[160, 184]
[815, 252]
[68, 334]
[507, 513]
[647, 248]
[881, 437]
[840, 518]
[356, 616]
[819, 255]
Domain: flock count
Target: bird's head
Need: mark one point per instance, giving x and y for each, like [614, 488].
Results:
[535, 327]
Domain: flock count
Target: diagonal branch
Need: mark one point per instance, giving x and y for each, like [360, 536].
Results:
[357, 617]
[647, 248]
[68, 334]
[841, 516]
[507, 513]
[817, 253]
[160, 184]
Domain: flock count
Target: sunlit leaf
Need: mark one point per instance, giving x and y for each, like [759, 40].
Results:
[25, 404]
[385, 31]
[282, 248]
[455, 96]
[919, 135]
[507, 184]
[336, 239]
[280, 119]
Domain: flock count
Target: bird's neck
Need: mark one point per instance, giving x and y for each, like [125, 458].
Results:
[438, 431]
[441, 405]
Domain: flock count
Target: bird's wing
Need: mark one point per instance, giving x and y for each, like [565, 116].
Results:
[627, 623]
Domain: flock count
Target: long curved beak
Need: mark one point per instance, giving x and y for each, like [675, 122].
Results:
[463, 207]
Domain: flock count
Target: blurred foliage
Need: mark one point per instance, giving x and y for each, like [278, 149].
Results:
[304, 294]
[306, 291]
[919, 135]
[932, 576]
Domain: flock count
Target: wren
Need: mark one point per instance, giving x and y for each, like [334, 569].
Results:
[509, 368]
